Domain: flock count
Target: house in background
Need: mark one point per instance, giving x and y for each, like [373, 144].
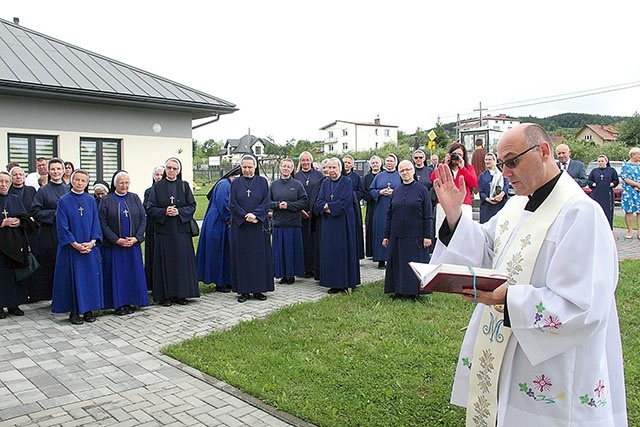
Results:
[59, 100]
[248, 144]
[342, 136]
[600, 134]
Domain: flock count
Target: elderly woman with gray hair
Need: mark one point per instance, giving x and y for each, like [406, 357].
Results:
[123, 222]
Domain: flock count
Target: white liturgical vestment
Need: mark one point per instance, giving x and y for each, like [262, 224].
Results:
[563, 361]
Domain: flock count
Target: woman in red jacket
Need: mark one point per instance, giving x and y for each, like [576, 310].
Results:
[457, 159]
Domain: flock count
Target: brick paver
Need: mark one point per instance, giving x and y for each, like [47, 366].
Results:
[111, 372]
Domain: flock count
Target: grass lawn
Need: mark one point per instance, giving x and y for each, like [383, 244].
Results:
[361, 359]
[201, 201]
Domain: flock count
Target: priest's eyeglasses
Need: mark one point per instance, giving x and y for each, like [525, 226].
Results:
[513, 162]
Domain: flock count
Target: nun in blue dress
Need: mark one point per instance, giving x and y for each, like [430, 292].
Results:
[339, 263]
[288, 198]
[123, 223]
[381, 190]
[213, 257]
[408, 233]
[251, 258]
[77, 281]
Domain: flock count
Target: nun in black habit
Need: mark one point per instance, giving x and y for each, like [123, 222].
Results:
[171, 208]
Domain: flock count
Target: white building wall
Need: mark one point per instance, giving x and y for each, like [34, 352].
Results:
[141, 148]
[359, 137]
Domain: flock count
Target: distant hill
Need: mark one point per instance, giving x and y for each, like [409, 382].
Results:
[565, 120]
[573, 120]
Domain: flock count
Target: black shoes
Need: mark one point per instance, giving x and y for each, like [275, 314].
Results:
[3, 315]
[382, 264]
[308, 275]
[89, 317]
[258, 295]
[181, 301]
[334, 291]
[223, 289]
[15, 311]
[75, 319]
[287, 281]
[122, 311]
[166, 303]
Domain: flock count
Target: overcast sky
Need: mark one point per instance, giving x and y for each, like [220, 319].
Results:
[292, 67]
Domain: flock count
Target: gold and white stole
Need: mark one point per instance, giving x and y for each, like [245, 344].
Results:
[517, 262]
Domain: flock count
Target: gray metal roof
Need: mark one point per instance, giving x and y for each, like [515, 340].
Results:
[242, 145]
[33, 64]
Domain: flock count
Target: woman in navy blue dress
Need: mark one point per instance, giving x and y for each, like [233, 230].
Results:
[213, 257]
[381, 190]
[123, 222]
[251, 259]
[602, 180]
[45, 249]
[407, 233]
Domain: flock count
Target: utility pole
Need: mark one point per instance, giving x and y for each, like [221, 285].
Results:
[480, 110]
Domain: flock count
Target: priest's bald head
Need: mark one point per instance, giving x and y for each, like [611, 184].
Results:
[526, 158]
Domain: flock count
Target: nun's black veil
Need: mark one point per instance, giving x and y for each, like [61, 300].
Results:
[235, 171]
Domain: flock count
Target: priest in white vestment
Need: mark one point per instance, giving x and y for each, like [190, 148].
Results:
[555, 359]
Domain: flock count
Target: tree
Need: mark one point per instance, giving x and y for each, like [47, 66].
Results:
[630, 131]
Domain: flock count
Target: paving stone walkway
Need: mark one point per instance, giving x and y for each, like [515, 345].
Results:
[111, 372]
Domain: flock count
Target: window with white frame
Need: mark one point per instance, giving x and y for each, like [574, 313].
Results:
[345, 145]
[345, 132]
[330, 134]
[386, 132]
[330, 147]
[587, 137]
[24, 149]
[100, 157]
[257, 150]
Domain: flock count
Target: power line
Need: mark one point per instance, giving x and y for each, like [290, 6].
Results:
[552, 98]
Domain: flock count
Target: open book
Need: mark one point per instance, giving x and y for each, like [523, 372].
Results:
[453, 278]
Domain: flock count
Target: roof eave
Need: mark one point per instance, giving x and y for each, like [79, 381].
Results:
[198, 109]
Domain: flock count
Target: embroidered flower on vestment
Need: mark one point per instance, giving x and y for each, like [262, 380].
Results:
[543, 383]
[599, 388]
[599, 400]
[526, 241]
[552, 323]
